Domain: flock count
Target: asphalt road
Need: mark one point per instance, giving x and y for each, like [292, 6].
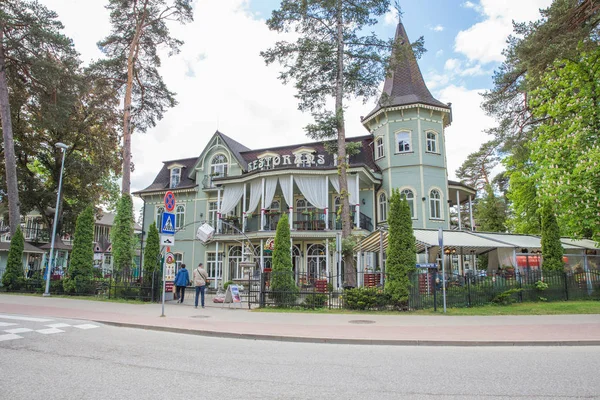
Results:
[95, 361]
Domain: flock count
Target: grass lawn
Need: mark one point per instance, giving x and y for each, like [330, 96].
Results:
[90, 298]
[554, 308]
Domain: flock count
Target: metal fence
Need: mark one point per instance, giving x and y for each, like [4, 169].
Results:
[318, 291]
[129, 285]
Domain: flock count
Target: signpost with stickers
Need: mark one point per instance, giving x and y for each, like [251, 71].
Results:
[167, 238]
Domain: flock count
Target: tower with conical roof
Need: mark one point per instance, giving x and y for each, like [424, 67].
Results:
[408, 140]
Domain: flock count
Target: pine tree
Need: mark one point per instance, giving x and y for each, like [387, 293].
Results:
[82, 257]
[552, 250]
[334, 58]
[283, 284]
[122, 236]
[14, 275]
[139, 30]
[490, 212]
[152, 250]
[401, 252]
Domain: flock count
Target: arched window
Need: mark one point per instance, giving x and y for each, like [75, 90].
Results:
[403, 142]
[382, 207]
[435, 204]
[159, 212]
[179, 216]
[235, 258]
[316, 262]
[432, 146]
[175, 177]
[410, 198]
[218, 166]
[378, 148]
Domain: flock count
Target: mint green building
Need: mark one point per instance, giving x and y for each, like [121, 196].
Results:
[241, 193]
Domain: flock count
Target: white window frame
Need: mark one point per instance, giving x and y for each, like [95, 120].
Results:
[178, 260]
[211, 215]
[219, 167]
[433, 202]
[175, 179]
[234, 257]
[432, 143]
[411, 201]
[382, 206]
[379, 148]
[406, 137]
[158, 212]
[179, 216]
[214, 265]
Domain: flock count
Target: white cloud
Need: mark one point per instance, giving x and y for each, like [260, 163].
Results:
[439, 53]
[456, 67]
[466, 133]
[437, 28]
[484, 41]
[391, 17]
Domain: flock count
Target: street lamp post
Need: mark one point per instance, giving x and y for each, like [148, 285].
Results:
[63, 148]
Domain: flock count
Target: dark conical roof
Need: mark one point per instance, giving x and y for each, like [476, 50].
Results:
[405, 84]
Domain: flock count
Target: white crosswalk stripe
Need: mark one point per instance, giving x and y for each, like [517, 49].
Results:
[29, 327]
[18, 330]
[9, 336]
[85, 326]
[49, 331]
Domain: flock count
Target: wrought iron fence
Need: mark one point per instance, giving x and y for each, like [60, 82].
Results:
[319, 290]
[124, 285]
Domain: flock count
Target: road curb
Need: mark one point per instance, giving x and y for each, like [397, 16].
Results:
[375, 342]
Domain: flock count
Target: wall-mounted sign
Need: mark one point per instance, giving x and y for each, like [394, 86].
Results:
[302, 159]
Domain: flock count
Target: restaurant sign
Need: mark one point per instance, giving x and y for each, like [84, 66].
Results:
[300, 159]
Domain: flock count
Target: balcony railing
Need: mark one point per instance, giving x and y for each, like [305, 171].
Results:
[303, 221]
[37, 235]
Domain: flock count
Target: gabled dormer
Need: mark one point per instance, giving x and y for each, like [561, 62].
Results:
[175, 174]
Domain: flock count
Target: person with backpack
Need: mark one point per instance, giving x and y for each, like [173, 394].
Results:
[200, 281]
[181, 281]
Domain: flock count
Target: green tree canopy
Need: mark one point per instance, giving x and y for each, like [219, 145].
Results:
[82, 256]
[122, 236]
[152, 250]
[401, 257]
[552, 250]
[30, 40]
[13, 274]
[283, 284]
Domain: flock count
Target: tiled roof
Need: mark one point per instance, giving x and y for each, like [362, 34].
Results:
[163, 179]
[364, 156]
[236, 148]
[405, 85]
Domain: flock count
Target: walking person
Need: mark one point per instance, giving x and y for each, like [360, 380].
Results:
[181, 281]
[200, 281]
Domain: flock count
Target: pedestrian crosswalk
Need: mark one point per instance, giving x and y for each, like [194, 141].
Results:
[14, 327]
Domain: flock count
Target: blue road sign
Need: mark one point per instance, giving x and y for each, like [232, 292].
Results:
[168, 223]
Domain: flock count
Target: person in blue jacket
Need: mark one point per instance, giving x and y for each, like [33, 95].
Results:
[181, 281]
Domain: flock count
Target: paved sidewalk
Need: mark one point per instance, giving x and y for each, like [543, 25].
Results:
[550, 330]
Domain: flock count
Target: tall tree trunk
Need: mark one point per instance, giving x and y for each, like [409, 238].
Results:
[131, 58]
[349, 270]
[14, 214]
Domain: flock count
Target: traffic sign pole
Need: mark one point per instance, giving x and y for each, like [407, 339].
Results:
[169, 206]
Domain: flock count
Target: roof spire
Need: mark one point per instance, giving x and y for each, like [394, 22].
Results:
[404, 85]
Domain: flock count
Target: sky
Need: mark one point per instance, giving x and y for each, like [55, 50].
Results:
[222, 82]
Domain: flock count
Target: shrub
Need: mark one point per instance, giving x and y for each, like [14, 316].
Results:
[226, 284]
[506, 297]
[315, 300]
[79, 285]
[365, 298]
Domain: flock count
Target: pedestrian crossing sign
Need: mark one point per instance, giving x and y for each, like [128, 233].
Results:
[168, 223]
